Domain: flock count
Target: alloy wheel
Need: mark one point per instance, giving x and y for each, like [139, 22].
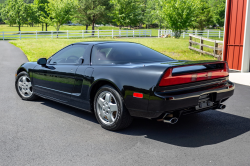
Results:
[24, 86]
[107, 108]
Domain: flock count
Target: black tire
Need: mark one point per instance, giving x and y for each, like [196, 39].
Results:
[28, 98]
[123, 118]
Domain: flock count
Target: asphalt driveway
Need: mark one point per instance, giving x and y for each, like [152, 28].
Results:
[48, 133]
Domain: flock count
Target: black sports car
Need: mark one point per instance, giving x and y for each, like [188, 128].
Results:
[121, 80]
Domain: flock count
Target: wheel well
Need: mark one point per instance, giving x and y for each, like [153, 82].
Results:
[20, 70]
[95, 88]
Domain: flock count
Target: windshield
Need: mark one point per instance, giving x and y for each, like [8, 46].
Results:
[121, 53]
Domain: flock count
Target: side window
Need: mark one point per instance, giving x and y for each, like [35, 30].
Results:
[69, 55]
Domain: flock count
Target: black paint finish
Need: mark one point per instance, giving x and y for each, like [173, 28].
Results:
[75, 84]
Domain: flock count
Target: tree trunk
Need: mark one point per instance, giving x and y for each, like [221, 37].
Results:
[42, 26]
[46, 26]
[87, 28]
[19, 27]
[93, 28]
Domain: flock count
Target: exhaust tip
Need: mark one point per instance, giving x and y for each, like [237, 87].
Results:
[222, 106]
[171, 121]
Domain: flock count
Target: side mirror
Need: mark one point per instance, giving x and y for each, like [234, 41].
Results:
[42, 61]
[81, 60]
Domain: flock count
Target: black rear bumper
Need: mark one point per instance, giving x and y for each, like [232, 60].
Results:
[184, 100]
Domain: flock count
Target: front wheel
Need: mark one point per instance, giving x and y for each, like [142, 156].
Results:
[110, 110]
[24, 87]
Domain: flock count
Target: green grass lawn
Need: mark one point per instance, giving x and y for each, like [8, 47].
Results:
[174, 48]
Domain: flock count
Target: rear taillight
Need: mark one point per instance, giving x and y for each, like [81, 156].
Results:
[168, 79]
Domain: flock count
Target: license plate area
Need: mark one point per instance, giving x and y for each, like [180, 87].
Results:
[205, 101]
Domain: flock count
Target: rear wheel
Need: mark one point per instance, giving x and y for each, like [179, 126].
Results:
[24, 87]
[110, 110]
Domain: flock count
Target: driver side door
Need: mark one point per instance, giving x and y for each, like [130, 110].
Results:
[56, 79]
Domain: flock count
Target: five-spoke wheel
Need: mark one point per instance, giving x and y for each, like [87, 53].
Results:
[24, 87]
[110, 110]
[107, 107]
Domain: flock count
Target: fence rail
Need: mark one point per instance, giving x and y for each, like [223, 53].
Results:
[215, 47]
[74, 34]
[204, 33]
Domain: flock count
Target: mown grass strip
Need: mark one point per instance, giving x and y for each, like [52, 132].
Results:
[174, 48]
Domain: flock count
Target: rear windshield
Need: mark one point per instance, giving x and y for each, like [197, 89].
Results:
[122, 53]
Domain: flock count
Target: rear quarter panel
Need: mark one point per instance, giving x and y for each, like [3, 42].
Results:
[130, 79]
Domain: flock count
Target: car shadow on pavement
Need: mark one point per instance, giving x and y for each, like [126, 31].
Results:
[205, 128]
[69, 110]
[196, 130]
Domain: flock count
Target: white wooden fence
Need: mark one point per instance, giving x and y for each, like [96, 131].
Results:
[204, 33]
[73, 34]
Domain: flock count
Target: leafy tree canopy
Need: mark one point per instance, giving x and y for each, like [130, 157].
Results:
[60, 12]
[92, 11]
[179, 14]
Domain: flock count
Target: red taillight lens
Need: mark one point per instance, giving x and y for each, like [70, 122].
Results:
[168, 79]
[138, 95]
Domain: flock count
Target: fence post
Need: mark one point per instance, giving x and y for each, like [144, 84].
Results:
[3, 35]
[190, 41]
[201, 45]
[98, 33]
[150, 32]
[36, 34]
[219, 33]
[82, 33]
[215, 50]
[208, 34]
[112, 34]
[133, 33]
[51, 34]
[67, 34]
[196, 32]
[20, 35]
[119, 33]
[183, 34]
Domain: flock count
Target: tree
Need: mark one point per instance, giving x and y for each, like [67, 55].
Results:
[219, 15]
[60, 12]
[92, 11]
[1, 6]
[204, 16]
[160, 15]
[218, 8]
[41, 5]
[125, 12]
[179, 14]
[32, 14]
[14, 12]
[28, 1]
[149, 15]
